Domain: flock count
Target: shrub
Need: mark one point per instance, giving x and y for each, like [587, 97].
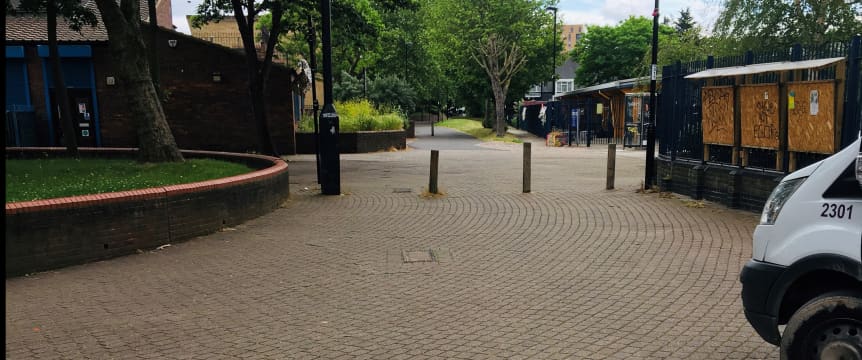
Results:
[354, 108]
[360, 115]
[306, 124]
[347, 88]
[389, 122]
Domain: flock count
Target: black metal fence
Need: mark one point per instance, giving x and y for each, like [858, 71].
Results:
[679, 117]
[574, 123]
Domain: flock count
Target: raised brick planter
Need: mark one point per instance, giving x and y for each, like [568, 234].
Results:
[357, 142]
[52, 233]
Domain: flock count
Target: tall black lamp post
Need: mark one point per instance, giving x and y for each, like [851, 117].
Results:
[312, 47]
[649, 177]
[330, 170]
[553, 52]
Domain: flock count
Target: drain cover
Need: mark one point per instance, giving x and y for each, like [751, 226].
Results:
[417, 256]
[402, 190]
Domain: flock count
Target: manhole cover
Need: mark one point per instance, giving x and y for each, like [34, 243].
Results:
[402, 190]
[417, 256]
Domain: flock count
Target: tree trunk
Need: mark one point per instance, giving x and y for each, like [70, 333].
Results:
[499, 106]
[153, 48]
[256, 92]
[155, 140]
[257, 72]
[70, 137]
[258, 108]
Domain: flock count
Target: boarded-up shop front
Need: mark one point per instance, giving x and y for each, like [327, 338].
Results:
[774, 114]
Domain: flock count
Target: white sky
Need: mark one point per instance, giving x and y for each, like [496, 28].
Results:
[590, 12]
[179, 10]
[609, 12]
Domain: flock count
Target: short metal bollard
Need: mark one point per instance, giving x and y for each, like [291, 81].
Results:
[612, 160]
[526, 167]
[432, 182]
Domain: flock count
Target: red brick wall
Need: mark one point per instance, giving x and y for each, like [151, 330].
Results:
[202, 114]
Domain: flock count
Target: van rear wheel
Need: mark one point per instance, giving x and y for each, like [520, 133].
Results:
[828, 327]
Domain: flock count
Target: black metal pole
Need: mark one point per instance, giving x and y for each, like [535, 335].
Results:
[649, 177]
[312, 47]
[554, 56]
[329, 156]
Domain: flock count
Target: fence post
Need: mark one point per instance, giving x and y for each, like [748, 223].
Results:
[612, 159]
[678, 116]
[852, 118]
[432, 182]
[526, 167]
[588, 112]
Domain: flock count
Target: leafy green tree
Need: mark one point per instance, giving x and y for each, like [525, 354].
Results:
[684, 22]
[608, 53]
[501, 59]
[392, 91]
[777, 24]
[347, 88]
[455, 28]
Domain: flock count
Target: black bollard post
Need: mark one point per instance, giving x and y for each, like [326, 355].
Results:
[432, 182]
[526, 167]
[612, 161]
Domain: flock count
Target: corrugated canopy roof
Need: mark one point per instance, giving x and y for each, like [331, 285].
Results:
[619, 84]
[762, 68]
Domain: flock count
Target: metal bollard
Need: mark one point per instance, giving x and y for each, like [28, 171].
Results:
[432, 182]
[526, 167]
[612, 160]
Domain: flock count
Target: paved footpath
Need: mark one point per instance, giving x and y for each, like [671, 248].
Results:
[569, 271]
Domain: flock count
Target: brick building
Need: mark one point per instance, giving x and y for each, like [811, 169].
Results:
[565, 72]
[207, 103]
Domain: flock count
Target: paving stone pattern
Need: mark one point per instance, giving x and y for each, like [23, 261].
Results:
[570, 271]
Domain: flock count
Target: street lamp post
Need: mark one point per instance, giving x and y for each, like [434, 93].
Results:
[649, 177]
[315, 105]
[553, 52]
[330, 171]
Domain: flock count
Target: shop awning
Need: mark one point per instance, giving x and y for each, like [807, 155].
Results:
[762, 68]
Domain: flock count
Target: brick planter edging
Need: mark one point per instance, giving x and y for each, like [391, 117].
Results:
[52, 233]
[732, 186]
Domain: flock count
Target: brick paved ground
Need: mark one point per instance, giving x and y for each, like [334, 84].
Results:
[570, 271]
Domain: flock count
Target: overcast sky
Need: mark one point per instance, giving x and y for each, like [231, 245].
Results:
[590, 12]
[609, 12]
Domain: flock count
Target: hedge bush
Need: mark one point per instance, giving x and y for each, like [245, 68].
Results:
[360, 115]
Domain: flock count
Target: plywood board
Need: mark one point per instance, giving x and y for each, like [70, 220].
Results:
[759, 116]
[717, 121]
[811, 118]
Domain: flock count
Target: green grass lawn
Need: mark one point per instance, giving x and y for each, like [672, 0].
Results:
[473, 127]
[34, 179]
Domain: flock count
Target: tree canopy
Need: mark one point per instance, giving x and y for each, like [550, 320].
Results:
[684, 22]
[608, 53]
[455, 28]
[771, 24]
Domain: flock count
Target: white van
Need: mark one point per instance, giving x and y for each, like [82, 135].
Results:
[806, 270]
